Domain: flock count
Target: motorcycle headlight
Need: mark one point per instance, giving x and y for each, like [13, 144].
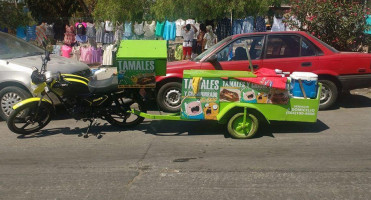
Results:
[48, 76]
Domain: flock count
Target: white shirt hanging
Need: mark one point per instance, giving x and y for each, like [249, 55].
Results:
[179, 25]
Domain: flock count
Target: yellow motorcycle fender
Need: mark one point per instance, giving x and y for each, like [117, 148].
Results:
[30, 100]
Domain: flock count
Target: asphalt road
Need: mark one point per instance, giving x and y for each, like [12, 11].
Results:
[330, 159]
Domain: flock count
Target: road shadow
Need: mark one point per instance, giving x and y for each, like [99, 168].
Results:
[96, 130]
[292, 127]
[182, 128]
[352, 101]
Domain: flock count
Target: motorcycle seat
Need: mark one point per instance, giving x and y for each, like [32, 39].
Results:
[103, 86]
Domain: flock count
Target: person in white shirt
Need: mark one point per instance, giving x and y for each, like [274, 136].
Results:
[209, 38]
[188, 33]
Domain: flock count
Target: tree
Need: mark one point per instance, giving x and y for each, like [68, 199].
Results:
[119, 10]
[12, 15]
[339, 23]
[210, 9]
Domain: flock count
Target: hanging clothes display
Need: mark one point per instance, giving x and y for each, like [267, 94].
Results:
[108, 35]
[179, 26]
[81, 32]
[119, 32]
[169, 31]
[85, 54]
[109, 26]
[149, 30]
[80, 28]
[278, 24]
[224, 29]
[237, 26]
[107, 55]
[21, 32]
[96, 55]
[76, 53]
[56, 50]
[138, 28]
[49, 30]
[128, 33]
[160, 29]
[209, 38]
[178, 55]
[190, 21]
[31, 33]
[90, 30]
[108, 38]
[41, 33]
[69, 35]
[66, 51]
[99, 32]
[260, 24]
[248, 25]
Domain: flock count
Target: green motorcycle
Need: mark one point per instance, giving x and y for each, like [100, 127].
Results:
[84, 99]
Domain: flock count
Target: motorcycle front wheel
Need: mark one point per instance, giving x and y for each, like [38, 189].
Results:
[119, 116]
[30, 118]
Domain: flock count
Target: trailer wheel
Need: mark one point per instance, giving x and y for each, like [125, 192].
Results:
[239, 130]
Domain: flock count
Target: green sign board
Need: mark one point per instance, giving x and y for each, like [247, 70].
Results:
[136, 73]
[138, 63]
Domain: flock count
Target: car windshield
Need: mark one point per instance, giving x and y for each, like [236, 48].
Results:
[12, 47]
[324, 44]
[199, 57]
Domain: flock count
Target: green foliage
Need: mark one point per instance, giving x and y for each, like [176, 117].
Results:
[12, 15]
[51, 10]
[210, 9]
[338, 23]
[119, 10]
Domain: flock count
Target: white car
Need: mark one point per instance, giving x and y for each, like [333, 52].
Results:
[17, 57]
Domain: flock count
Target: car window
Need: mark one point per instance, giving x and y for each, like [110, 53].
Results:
[307, 49]
[11, 47]
[203, 54]
[236, 50]
[283, 46]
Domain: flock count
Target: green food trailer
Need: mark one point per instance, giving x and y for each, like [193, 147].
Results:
[233, 98]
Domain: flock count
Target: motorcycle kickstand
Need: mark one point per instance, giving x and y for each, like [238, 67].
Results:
[92, 122]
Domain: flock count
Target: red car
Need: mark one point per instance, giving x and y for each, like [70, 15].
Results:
[288, 51]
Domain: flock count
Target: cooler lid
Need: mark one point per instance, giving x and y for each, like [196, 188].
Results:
[308, 76]
[139, 49]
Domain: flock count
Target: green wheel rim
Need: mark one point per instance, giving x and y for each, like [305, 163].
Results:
[238, 129]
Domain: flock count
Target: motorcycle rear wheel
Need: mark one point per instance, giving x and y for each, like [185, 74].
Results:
[122, 118]
[30, 118]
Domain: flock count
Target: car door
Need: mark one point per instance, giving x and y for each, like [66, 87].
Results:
[233, 56]
[289, 52]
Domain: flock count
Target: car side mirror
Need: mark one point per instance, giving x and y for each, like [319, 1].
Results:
[212, 59]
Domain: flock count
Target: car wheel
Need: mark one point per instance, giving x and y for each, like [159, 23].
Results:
[10, 96]
[169, 97]
[329, 94]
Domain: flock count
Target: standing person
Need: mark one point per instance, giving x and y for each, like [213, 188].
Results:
[209, 38]
[188, 34]
[200, 39]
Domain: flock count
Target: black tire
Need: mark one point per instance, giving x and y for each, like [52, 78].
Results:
[238, 131]
[29, 114]
[329, 94]
[8, 97]
[169, 97]
[120, 118]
